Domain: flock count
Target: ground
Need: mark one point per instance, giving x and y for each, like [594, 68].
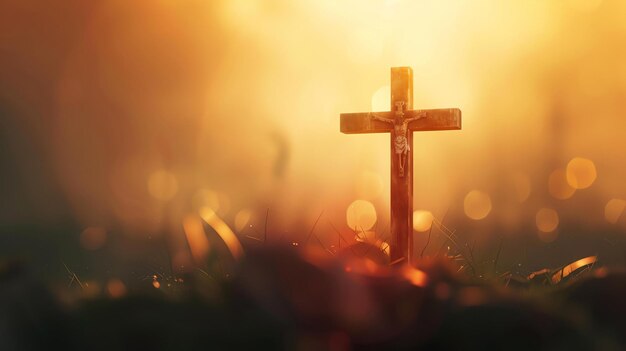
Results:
[283, 298]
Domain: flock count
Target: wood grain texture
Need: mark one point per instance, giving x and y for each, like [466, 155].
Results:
[360, 123]
[438, 119]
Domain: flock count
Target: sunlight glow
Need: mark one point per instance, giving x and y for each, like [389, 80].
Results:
[241, 12]
[585, 5]
[369, 185]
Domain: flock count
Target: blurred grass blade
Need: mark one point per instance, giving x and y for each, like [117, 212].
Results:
[572, 267]
[223, 230]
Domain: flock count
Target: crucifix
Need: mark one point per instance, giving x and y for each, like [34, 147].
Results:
[401, 122]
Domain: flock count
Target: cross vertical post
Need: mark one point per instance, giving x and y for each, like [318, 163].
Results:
[401, 241]
[401, 122]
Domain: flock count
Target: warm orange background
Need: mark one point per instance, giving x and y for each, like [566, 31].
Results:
[133, 114]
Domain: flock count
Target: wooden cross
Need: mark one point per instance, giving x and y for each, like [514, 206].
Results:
[401, 122]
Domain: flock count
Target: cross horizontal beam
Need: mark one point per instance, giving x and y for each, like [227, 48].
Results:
[434, 119]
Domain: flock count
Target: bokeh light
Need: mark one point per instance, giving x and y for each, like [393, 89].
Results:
[422, 220]
[613, 210]
[381, 99]
[116, 288]
[162, 185]
[581, 173]
[415, 276]
[93, 238]
[558, 185]
[477, 205]
[547, 220]
[361, 215]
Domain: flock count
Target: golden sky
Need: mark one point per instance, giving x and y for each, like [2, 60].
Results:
[135, 114]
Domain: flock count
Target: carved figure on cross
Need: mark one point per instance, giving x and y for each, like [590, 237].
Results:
[401, 122]
[401, 127]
